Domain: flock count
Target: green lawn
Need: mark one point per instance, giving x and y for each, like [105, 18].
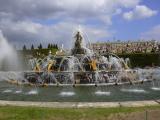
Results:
[38, 113]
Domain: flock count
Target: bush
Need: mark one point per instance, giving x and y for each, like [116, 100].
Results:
[142, 59]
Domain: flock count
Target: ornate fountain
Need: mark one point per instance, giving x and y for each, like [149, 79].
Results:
[81, 66]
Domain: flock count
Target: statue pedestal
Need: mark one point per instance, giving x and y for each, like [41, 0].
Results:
[78, 51]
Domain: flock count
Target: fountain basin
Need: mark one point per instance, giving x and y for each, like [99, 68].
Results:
[85, 93]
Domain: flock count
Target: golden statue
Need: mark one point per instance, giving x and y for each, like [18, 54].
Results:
[50, 65]
[93, 64]
[37, 68]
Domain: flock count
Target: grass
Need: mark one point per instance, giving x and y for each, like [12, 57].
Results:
[38, 113]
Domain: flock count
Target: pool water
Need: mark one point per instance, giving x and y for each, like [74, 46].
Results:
[145, 91]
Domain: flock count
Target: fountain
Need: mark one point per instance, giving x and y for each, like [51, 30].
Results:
[79, 67]
[76, 73]
[8, 57]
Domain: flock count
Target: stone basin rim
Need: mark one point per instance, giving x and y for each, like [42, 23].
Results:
[81, 104]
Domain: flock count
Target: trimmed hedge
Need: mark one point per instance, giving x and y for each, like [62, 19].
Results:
[35, 52]
[142, 59]
[136, 59]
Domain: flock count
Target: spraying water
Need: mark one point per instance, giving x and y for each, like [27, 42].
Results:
[32, 92]
[67, 93]
[8, 57]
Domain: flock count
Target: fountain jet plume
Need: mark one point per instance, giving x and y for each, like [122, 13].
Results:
[8, 56]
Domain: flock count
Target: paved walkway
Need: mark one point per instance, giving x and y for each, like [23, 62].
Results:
[80, 104]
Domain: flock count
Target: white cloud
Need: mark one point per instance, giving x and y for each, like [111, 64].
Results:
[153, 33]
[139, 12]
[27, 32]
[51, 9]
[129, 3]
[18, 19]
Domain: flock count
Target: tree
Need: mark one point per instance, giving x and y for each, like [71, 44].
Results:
[32, 47]
[24, 47]
[49, 46]
[40, 46]
[56, 46]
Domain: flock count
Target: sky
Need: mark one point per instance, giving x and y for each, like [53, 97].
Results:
[56, 21]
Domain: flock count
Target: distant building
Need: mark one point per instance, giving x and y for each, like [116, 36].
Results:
[126, 47]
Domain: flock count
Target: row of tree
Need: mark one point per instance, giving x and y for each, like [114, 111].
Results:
[50, 46]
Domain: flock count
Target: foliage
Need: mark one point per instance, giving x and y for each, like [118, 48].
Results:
[32, 47]
[142, 59]
[24, 47]
[40, 46]
[38, 52]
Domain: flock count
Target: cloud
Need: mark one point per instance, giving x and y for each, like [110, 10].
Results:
[26, 21]
[129, 3]
[28, 32]
[52, 9]
[153, 33]
[139, 12]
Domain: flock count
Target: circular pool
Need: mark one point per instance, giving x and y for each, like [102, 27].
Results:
[137, 92]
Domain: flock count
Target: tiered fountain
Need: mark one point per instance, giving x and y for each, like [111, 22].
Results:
[80, 67]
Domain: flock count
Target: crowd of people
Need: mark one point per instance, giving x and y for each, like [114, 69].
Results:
[127, 47]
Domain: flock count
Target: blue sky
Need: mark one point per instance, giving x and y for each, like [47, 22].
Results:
[127, 30]
[56, 21]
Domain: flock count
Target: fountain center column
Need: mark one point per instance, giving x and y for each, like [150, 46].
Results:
[78, 48]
